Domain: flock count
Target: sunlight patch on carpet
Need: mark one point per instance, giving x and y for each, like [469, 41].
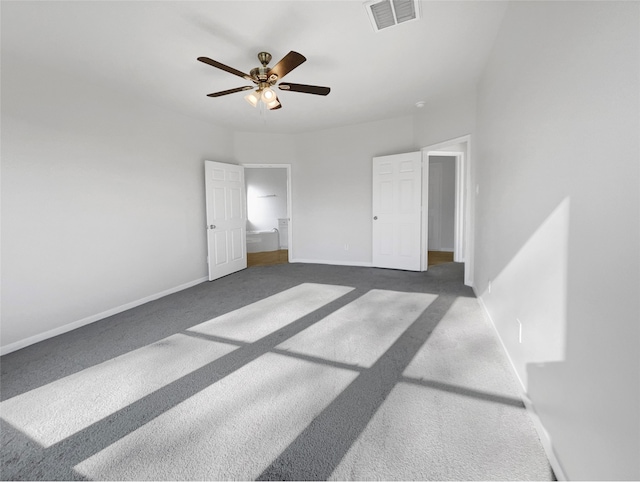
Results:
[463, 350]
[231, 430]
[55, 411]
[263, 317]
[360, 332]
[428, 434]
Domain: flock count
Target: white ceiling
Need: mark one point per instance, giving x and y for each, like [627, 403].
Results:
[148, 49]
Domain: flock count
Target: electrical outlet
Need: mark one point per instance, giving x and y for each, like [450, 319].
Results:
[519, 330]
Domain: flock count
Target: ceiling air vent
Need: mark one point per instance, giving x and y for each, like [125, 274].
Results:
[387, 13]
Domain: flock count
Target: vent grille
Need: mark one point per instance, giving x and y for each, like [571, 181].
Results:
[405, 10]
[387, 13]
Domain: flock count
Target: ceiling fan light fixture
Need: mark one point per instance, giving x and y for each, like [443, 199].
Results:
[274, 104]
[253, 98]
[268, 95]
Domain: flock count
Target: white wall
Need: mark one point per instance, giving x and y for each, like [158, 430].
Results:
[331, 174]
[332, 188]
[557, 219]
[263, 148]
[444, 119]
[102, 200]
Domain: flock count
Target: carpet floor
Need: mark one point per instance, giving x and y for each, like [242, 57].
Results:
[286, 372]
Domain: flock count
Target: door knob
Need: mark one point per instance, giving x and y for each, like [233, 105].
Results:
[212, 226]
[375, 218]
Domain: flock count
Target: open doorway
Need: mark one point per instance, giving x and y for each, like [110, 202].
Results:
[268, 214]
[458, 150]
[441, 209]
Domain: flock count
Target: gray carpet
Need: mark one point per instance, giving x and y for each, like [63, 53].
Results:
[297, 372]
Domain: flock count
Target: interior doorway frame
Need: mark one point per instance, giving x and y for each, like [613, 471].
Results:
[289, 206]
[464, 225]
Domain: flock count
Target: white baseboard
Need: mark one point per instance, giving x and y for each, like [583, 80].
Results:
[93, 318]
[365, 264]
[545, 439]
[523, 389]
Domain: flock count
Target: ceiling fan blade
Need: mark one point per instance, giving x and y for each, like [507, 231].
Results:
[226, 68]
[287, 64]
[230, 91]
[307, 89]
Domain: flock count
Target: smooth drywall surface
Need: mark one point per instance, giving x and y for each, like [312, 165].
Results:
[332, 178]
[442, 203]
[102, 199]
[266, 197]
[444, 119]
[557, 222]
[263, 148]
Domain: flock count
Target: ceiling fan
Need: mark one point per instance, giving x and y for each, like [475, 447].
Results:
[267, 77]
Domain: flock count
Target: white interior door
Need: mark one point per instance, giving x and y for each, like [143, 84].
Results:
[226, 218]
[397, 199]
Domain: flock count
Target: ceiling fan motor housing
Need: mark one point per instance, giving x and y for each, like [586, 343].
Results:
[261, 74]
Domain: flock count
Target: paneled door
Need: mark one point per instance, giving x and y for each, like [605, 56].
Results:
[226, 218]
[397, 200]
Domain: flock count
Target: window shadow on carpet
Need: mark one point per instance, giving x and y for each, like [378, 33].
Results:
[69, 452]
[318, 450]
[321, 445]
